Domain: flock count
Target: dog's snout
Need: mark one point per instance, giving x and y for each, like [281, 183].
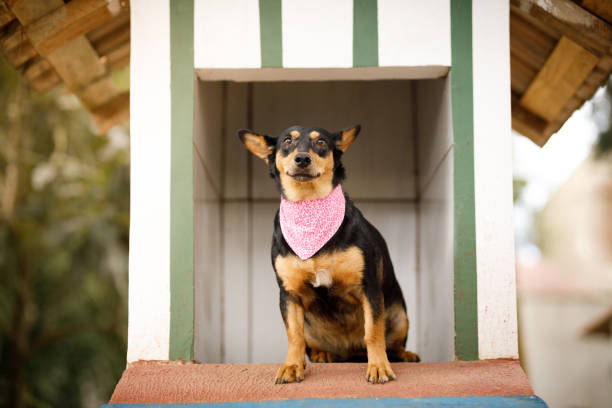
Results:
[302, 160]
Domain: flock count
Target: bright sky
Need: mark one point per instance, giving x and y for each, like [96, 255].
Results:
[546, 169]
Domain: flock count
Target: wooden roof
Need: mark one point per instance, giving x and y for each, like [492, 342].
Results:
[560, 53]
[74, 42]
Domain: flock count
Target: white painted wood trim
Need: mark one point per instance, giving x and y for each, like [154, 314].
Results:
[497, 324]
[149, 259]
[226, 34]
[414, 33]
[317, 33]
[322, 74]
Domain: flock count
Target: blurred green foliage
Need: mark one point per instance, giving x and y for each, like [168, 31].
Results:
[64, 216]
[518, 185]
[603, 146]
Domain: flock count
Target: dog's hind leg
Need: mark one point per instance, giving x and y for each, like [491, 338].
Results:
[396, 333]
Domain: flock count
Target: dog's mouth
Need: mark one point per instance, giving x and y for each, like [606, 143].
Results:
[303, 176]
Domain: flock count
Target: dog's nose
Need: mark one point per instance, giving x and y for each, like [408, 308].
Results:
[302, 160]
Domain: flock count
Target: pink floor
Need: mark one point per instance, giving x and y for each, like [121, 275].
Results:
[176, 382]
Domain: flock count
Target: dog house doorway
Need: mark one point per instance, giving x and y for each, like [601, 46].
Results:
[399, 173]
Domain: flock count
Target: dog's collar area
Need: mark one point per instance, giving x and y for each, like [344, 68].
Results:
[307, 225]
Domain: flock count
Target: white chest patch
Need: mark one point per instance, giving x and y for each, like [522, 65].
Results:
[322, 278]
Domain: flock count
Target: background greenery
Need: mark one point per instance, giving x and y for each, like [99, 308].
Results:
[64, 216]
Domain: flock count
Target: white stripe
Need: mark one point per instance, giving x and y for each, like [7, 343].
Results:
[149, 278]
[414, 33]
[497, 326]
[317, 33]
[226, 34]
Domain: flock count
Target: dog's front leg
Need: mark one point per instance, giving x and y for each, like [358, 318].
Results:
[379, 369]
[293, 369]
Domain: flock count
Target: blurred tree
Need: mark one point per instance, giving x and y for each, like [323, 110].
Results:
[64, 212]
[603, 145]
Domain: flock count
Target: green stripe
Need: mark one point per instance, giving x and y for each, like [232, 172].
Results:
[365, 33]
[466, 312]
[271, 33]
[181, 180]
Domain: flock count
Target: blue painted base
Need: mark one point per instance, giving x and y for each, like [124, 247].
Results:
[488, 401]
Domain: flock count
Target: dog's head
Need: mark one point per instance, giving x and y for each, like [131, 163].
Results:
[304, 162]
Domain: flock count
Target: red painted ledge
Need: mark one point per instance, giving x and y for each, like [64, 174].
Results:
[181, 382]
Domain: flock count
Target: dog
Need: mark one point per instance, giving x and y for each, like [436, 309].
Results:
[339, 297]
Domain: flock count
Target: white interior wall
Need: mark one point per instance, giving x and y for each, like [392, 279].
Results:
[207, 218]
[237, 316]
[435, 223]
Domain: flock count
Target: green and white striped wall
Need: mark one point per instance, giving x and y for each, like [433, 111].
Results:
[321, 33]
[174, 42]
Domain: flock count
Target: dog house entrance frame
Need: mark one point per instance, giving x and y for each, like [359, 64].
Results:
[472, 62]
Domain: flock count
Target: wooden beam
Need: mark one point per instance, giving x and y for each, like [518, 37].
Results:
[529, 41]
[98, 92]
[57, 30]
[554, 126]
[570, 20]
[530, 125]
[112, 113]
[12, 35]
[6, 15]
[20, 54]
[118, 21]
[70, 21]
[77, 63]
[601, 8]
[45, 81]
[598, 76]
[28, 11]
[119, 57]
[564, 71]
[112, 40]
[36, 67]
[521, 74]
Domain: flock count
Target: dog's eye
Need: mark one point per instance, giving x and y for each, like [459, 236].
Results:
[287, 140]
[321, 142]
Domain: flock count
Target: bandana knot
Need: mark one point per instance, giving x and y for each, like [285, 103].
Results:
[307, 225]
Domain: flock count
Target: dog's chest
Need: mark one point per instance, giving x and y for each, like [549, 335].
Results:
[341, 268]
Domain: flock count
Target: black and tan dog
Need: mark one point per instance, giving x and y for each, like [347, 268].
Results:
[357, 311]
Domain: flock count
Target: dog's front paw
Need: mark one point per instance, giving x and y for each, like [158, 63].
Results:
[379, 372]
[289, 373]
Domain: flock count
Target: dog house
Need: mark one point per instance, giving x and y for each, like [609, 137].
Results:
[428, 82]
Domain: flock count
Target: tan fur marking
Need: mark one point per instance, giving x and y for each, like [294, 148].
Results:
[319, 187]
[294, 134]
[257, 145]
[314, 134]
[293, 369]
[379, 369]
[348, 137]
[344, 267]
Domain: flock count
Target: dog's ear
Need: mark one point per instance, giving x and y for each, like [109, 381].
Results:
[261, 146]
[346, 137]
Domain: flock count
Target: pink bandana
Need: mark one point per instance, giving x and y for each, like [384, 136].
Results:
[307, 225]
